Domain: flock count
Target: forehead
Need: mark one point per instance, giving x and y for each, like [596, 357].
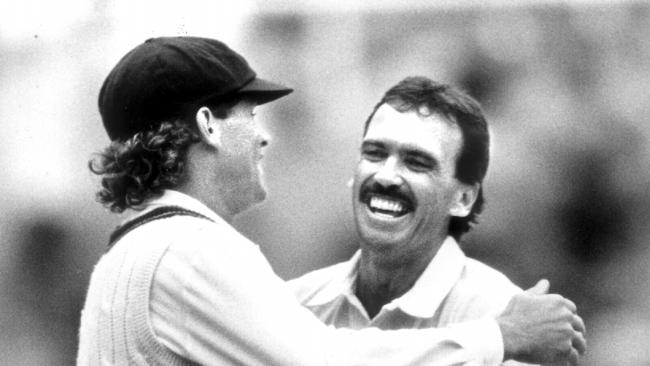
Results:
[433, 133]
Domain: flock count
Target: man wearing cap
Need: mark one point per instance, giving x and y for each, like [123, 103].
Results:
[179, 285]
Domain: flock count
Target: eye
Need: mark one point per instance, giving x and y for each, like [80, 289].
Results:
[373, 153]
[419, 163]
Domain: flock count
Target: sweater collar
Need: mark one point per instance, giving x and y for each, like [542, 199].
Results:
[171, 197]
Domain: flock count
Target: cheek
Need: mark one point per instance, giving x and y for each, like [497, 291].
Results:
[363, 170]
[436, 199]
[361, 174]
[242, 133]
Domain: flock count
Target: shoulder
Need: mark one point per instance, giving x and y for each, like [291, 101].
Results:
[314, 283]
[202, 242]
[477, 272]
[483, 288]
[162, 229]
[190, 233]
[205, 261]
[192, 247]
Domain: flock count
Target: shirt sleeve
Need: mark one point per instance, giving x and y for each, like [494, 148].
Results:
[216, 300]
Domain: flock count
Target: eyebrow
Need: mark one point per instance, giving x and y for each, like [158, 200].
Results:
[405, 149]
[371, 142]
[408, 147]
[419, 153]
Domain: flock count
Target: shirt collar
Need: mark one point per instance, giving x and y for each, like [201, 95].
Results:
[435, 283]
[341, 284]
[175, 198]
[422, 300]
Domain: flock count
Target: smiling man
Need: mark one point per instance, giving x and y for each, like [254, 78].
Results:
[416, 191]
[178, 284]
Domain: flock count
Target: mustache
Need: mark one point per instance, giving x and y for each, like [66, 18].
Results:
[392, 191]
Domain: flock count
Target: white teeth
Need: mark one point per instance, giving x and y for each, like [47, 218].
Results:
[386, 205]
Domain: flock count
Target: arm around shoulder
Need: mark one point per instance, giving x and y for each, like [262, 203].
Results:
[236, 310]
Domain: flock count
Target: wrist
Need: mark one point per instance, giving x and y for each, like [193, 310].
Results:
[510, 350]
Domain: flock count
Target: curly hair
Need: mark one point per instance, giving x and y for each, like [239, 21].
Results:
[142, 166]
[411, 94]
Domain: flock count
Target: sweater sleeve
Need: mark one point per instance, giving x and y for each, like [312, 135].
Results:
[216, 300]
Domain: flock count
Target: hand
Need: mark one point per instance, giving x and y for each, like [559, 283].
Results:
[541, 328]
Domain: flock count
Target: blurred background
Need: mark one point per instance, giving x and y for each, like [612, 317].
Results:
[564, 84]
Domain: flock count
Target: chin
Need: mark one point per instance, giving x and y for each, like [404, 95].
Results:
[379, 241]
[253, 199]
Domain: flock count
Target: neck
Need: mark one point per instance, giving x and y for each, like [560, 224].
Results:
[198, 183]
[383, 277]
[212, 202]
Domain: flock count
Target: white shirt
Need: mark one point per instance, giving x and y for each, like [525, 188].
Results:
[452, 289]
[185, 290]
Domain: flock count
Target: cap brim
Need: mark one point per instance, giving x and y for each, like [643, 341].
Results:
[264, 91]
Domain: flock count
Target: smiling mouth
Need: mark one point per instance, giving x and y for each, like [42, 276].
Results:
[388, 206]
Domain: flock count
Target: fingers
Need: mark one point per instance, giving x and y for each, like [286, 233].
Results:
[579, 343]
[578, 324]
[573, 358]
[540, 288]
[571, 305]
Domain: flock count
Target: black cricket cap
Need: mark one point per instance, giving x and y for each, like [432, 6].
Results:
[158, 78]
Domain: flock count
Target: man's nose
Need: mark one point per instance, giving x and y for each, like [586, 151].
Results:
[388, 173]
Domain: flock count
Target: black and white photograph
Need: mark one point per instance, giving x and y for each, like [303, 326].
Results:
[303, 182]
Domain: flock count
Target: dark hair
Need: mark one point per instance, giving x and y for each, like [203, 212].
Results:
[413, 93]
[142, 166]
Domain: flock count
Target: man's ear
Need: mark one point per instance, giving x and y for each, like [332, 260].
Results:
[464, 199]
[208, 126]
